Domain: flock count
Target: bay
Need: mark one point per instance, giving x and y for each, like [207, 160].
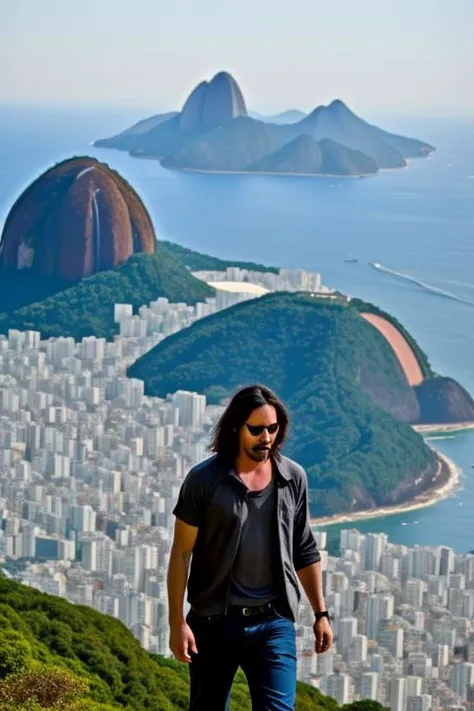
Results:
[418, 221]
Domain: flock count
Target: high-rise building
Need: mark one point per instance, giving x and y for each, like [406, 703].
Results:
[379, 607]
[191, 407]
[337, 686]
[414, 685]
[462, 676]
[413, 593]
[346, 629]
[357, 651]
[375, 544]
[369, 686]
[422, 702]
[447, 561]
[391, 637]
[398, 694]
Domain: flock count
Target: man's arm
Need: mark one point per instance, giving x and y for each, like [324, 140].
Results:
[311, 578]
[181, 636]
[312, 582]
[307, 561]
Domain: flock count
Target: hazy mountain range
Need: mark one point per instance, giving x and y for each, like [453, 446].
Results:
[214, 132]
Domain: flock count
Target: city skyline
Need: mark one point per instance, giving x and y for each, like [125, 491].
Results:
[374, 56]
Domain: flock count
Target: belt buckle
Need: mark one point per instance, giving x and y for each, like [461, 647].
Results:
[246, 611]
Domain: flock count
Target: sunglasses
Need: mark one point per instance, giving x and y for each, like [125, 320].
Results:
[256, 430]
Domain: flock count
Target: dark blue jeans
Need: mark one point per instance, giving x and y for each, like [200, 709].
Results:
[264, 648]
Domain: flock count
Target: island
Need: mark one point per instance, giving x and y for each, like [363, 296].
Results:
[214, 132]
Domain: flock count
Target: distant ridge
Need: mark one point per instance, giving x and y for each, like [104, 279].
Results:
[215, 133]
[284, 117]
[306, 156]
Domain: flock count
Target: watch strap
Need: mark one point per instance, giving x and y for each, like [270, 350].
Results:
[319, 615]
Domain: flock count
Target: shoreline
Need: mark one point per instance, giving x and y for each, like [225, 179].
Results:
[443, 428]
[261, 172]
[429, 497]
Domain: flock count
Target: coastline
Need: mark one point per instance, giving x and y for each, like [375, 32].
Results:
[260, 172]
[443, 428]
[427, 498]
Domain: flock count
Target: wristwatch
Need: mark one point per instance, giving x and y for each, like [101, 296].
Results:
[320, 615]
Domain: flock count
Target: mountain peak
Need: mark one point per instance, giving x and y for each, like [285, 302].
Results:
[213, 104]
[337, 104]
[77, 218]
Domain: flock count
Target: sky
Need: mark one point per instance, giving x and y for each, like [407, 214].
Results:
[394, 57]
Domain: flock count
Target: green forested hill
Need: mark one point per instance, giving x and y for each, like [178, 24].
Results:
[86, 309]
[195, 261]
[71, 658]
[329, 365]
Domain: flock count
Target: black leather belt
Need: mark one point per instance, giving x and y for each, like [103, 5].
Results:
[253, 611]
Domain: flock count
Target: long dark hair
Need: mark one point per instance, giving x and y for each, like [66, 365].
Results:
[225, 436]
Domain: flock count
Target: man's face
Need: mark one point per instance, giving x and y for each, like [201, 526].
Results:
[254, 441]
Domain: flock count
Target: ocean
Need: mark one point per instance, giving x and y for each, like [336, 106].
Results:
[418, 222]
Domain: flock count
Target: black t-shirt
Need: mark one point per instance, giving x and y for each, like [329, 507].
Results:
[253, 573]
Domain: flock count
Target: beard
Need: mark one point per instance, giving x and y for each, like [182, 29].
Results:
[257, 454]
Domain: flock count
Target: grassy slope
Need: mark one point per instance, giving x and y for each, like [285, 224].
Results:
[38, 628]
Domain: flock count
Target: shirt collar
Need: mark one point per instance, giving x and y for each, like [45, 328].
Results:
[280, 467]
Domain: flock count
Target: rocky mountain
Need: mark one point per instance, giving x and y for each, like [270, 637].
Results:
[78, 218]
[214, 132]
[337, 122]
[443, 400]
[212, 104]
[305, 156]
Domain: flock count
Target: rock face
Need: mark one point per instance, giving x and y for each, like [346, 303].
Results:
[76, 219]
[212, 104]
[444, 400]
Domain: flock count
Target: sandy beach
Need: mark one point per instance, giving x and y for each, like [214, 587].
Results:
[452, 427]
[427, 498]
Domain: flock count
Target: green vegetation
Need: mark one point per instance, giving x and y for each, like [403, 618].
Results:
[86, 308]
[54, 655]
[326, 362]
[196, 262]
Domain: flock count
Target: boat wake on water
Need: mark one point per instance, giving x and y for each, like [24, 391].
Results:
[426, 287]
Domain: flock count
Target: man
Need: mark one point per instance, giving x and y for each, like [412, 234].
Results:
[243, 517]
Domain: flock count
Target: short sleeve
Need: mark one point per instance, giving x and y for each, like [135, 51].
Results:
[192, 499]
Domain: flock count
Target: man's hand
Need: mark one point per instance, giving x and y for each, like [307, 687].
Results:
[182, 642]
[323, 635]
